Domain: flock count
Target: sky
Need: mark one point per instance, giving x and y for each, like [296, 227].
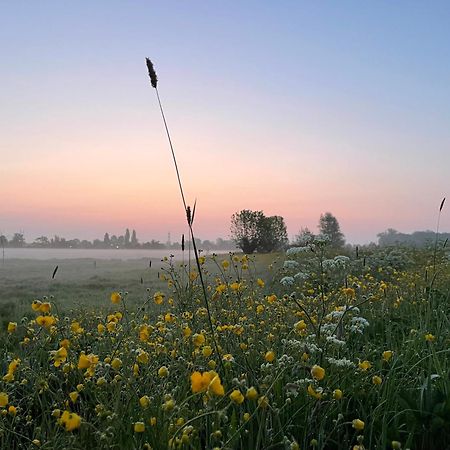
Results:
[294, 108]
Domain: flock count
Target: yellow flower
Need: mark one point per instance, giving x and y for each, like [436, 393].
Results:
[317, 372]
[236, 286]
[387, 355]
[313, 393]
[198, 339]
[144, 401]
[3, 399]
[206, 351]
[116, 363]
[65, 343]
[144, 333]
[396, 445]
[349, 292]
[158, 298]
[358, 424]
[100, 328]
[115, 298]
[36, 442]
[200, 381]
[12, 327]
[271, 298]
[12, 410]
[215, 387]
[260, 283]
[186, 331]
[143, 357]
[260, 309]
[263, 402]
[237, 397]
[364, 365]
[269, 356]
[45, 307]
[74, 396]
[337, 394]
[139, 427]
[70, 421]
[221, 288]
[300, 326]
[36, 305]
[430, 338]
[45, 321]
[59, 356]
[163, 372]
[76, 328]
[377, 380]
[251, 394]
[225, 264]
[246, 417]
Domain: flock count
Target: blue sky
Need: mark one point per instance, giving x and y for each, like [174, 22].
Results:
[294, 108]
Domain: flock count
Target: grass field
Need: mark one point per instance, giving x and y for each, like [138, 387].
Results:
[304, 350]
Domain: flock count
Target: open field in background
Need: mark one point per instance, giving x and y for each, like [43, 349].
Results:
[87, 283]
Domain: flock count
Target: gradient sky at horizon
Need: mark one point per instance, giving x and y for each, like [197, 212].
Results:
[294, 108]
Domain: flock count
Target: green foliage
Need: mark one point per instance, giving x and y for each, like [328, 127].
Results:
[253, 231]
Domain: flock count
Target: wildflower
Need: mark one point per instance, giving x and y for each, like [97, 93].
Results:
[70, 421]
[116, 363]
[313, 393]
[387, 355]
[198, 339]
[12, 327]
[364, 365]
[76, 328]
[36, 305]
[246, 417]
[225, 264]
[377, 380]
[215, 387]
[263, 402]
[142, 357]
[396, 445]
[12, 410]
[158, 298]
[45, 307]
[59, 356]
[144, 333]
[3, 399]
[144, 401]
[100, 328]
[139, 427]
[228, 357]
[12, 367]
[251, 394]
[349, 292]
[206, 351]
[317, 372]
[300, 326]
[36, 442]
[358, 424]
[45, 321]
[236, 286]
[65, 343]
[430, 338]
[271, 298]
[269, 356]
[337, 394]
[169, 404]
[74, 396]
[237, 397]
[260, 283]
[115, 298]
[163, 372]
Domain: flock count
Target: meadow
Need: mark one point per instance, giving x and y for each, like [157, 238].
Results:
[308, 349]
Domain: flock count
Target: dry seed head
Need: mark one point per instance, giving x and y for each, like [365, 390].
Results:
[151, 73]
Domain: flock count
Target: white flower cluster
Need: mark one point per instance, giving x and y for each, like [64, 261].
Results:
[335, 341]
[358, 324]
[301, 276]
[343, 362]
[296, 250]
[338, 262]
[290, 264]
[287, 281]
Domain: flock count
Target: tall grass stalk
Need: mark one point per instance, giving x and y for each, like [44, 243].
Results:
[189, 215]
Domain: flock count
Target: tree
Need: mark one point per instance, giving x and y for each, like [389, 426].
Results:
[42, 241]
[107, 240]
[329, 226]
[18, 240]
[272, 234]
[245, 229]
[127, 238]
[134, 240]
[252, 230]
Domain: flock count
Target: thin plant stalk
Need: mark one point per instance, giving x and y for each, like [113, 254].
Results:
[190, 218]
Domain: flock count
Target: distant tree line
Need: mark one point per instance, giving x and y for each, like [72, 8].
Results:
[419, 239]
[127, 240]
